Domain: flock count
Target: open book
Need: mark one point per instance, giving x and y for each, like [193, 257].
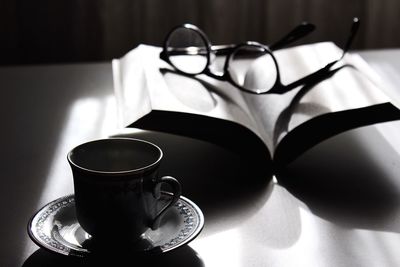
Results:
[151, 96]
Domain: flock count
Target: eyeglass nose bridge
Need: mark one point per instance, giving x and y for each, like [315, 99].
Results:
[220, 77]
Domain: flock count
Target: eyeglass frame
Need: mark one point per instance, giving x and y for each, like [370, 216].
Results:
[298, 32]
[230, 49]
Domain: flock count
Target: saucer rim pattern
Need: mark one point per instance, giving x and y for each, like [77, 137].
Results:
[192, 216]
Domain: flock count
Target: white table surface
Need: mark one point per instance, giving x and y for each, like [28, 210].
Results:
[344, 212]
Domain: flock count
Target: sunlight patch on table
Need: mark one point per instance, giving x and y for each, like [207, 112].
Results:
[88, 119]
[221, 249]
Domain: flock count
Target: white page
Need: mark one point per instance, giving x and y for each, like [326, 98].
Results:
[140, 87]
[348, 89]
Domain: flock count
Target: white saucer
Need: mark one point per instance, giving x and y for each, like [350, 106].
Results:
[55, 228]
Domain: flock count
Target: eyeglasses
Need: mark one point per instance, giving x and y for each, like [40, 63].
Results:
[189, 51]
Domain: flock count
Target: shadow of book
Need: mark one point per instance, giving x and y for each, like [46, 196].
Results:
[322, 127]
[350, 179]
[235, 137]
[223, 167]
[315, 180]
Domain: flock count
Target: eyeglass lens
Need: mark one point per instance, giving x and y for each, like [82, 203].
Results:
[187, 50]
[252, 68]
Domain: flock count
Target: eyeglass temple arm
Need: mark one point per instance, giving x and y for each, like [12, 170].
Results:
[323, 73]
[298, 32]
[295, 34]
[353, 31]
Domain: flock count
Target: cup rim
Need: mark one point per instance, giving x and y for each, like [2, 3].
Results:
[132, 171]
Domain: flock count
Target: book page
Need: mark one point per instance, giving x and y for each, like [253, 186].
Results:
[353, 86]
[143, 83]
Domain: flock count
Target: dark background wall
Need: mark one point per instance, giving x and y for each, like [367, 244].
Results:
[44, 31]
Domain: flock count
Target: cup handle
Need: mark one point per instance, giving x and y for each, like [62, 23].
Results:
[176, 193]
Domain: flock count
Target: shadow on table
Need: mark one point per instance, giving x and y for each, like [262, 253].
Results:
[184, 256]
[227, 183]
[350, 180]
